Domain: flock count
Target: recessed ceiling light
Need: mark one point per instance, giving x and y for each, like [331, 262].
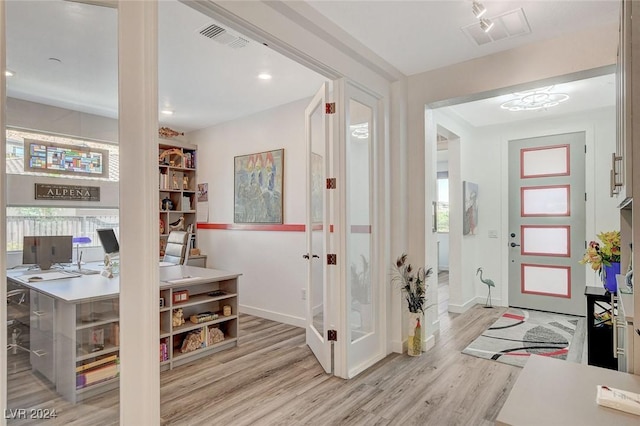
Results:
[166, 111]
[264, 76]
[9, 73]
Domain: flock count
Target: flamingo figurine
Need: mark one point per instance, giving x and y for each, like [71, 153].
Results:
[489, 284]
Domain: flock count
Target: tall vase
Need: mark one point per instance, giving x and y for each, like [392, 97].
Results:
[414, 328]
[609, 276]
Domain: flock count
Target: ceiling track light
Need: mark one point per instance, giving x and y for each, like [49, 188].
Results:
[486, 25]
[478, 9]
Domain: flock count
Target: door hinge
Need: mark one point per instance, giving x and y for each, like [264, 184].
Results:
[332, 259]
[332, 335]
[331, 183]
[330, 108]
[585, 196]
[585, 149]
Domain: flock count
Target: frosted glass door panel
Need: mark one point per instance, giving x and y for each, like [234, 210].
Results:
[545, 162]
[545, 201]
[546, 280]
[545, 240]
[317, 217]
[359, 199]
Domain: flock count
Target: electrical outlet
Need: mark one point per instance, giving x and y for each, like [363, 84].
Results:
[303, 293]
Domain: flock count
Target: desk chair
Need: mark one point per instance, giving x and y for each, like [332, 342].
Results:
[177, 249]
[17, 317]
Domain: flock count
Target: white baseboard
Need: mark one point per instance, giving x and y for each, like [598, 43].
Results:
[429, 343]
[274, 316]
[479, 300]
[460, 309]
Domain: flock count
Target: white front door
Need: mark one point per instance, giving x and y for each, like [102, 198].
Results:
[318, 227]
[547, 223]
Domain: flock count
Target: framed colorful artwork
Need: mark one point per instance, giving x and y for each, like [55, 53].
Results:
[258, 180]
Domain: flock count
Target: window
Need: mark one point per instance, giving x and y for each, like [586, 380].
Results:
[49, 221]
[26, 221]
[16, 140]
[442, 205]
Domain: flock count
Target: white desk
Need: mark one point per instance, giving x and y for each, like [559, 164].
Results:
[556, 392]
[65, 313]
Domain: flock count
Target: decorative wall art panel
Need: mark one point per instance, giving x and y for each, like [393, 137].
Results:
[258, 180]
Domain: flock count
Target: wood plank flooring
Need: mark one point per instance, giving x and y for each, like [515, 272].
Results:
[272, 378]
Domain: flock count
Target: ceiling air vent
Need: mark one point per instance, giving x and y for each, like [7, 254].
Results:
[223, 36]
[507, 25]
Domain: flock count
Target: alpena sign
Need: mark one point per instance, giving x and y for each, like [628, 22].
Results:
[46, 191]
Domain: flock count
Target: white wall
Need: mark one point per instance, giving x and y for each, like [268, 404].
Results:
[271, 263]
[479, 147]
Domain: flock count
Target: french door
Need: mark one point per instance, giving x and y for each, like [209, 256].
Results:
[344, 317]
[317, 131]
[547, 223]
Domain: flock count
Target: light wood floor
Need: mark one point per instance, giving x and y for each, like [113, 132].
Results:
[272, 378]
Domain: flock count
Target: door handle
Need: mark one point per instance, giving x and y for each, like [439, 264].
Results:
[306, 256]
[316, 256]
[514, 245]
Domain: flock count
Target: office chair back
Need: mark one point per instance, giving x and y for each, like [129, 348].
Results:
[176, 250]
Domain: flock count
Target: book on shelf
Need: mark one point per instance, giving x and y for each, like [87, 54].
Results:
[98, 374]
[164, 181]
[164, 352]
[96, 363]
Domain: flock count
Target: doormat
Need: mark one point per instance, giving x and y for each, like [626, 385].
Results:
[519, 333]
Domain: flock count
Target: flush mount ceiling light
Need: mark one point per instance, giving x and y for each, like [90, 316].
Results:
[486, 25]
[536, 99]
[478, 9]
[9, 73]
[264, 76]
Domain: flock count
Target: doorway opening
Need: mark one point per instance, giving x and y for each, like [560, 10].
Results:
[484, 130]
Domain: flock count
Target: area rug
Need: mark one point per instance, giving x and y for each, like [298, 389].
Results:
[519, 333]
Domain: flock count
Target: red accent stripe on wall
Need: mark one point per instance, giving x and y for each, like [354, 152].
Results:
[253, 227]
[292, 227]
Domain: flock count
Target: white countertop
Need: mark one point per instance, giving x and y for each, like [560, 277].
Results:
[96, 286]
[555, 392]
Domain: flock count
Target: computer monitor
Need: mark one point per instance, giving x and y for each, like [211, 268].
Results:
[109, 241]
[29, 250]
[47, 250]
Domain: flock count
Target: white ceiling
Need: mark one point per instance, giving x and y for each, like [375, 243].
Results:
[206, 82]
[417, 36]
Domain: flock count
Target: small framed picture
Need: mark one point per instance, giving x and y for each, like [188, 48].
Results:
[180, 296]
[97, 337]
